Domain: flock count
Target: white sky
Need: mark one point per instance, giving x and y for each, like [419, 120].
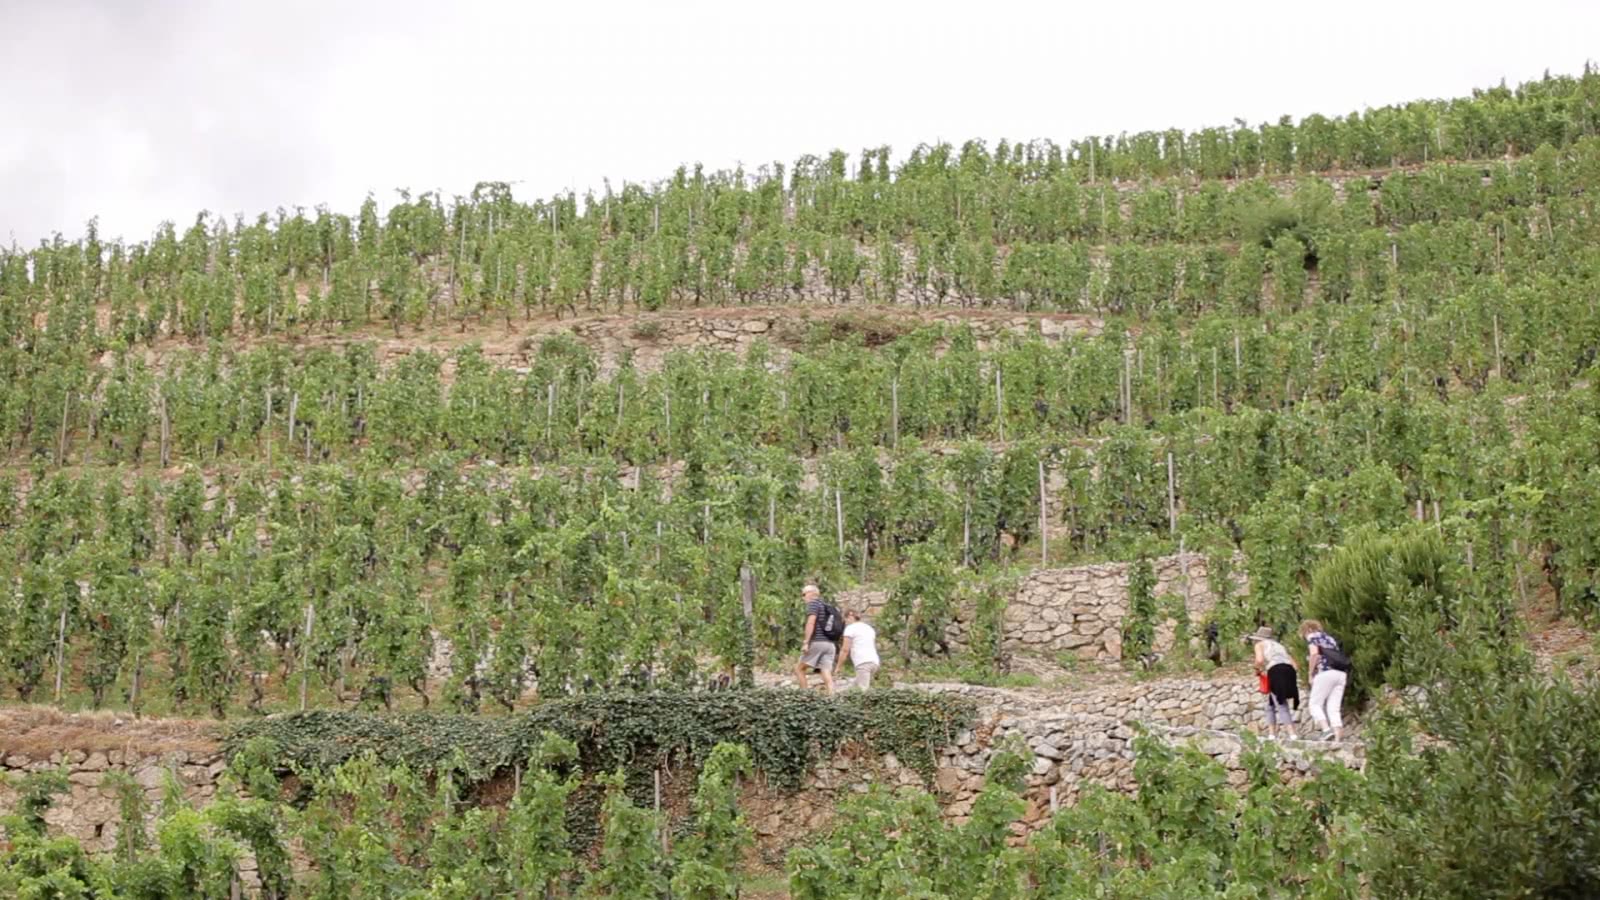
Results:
[144, 110]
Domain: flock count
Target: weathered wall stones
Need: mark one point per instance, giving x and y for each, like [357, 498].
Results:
[1089, 741]
[90, 810]
[649, 339]
[1081, 610]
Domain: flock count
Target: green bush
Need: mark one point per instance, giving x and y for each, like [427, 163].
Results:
[1500, 801]
[1358, 591]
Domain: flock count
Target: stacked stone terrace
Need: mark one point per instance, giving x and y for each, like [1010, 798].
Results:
[1078, 735]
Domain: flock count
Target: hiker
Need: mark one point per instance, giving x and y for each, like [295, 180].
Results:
[1329, 672]
[818, 650]
[861, 646]
[1279, 679]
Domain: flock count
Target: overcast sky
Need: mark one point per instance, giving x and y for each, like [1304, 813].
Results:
[138, 111]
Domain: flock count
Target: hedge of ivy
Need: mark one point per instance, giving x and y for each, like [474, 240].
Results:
[787, 731]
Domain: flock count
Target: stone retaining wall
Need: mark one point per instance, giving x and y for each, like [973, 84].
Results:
[1081, 610]
[1079, 738]
[1071, 749]
[90, 810]
[1228, 701]
[650, 338]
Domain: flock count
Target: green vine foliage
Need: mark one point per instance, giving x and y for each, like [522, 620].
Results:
[1481, 812]
[786, 732]
[633, 862]
[1139, 625]
[709, 859]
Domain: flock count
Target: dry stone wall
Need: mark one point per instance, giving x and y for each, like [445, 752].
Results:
[1081, 610]
[90, 810]
[1072, 751]
[650, 338]
[1088, 740]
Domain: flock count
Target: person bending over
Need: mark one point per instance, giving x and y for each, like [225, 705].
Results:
[861, 646]
[1328, 663]
[1283, 688]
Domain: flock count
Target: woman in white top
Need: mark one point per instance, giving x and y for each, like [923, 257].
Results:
[861, 647]
[1283, 688]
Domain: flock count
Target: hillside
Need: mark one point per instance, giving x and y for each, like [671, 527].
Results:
[1064, 420]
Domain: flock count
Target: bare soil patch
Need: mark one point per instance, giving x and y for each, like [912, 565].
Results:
[38, 731]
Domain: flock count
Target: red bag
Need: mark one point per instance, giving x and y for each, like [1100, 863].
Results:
[1265, 687]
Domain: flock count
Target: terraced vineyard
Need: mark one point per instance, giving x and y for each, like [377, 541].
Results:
[485, 455]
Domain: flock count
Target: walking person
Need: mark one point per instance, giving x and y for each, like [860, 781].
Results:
[1329, 673]
[818, 648]
[861, 646]
[1277, 667]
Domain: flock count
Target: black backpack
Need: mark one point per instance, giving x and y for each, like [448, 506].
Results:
[1337, 658]
[830, 625]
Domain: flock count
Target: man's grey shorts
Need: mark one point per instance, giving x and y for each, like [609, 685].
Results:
[820, 655]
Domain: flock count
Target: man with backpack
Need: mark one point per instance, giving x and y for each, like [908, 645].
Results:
[820, 646]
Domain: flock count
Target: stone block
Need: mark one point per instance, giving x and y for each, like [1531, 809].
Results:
[150, 777]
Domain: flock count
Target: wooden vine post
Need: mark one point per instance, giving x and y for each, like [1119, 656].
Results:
[1498, 371]
[1127, 388]
[61, 650]
[166, 433]
[61, 444]
[838, 517]
[999, 404]
[1044, 519]
[266, 427]
[1172, 496]
[747, 601]
[305, 655]
[894, 412]
[966, 532]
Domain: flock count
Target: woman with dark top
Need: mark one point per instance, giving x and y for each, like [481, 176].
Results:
[1283, 687]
